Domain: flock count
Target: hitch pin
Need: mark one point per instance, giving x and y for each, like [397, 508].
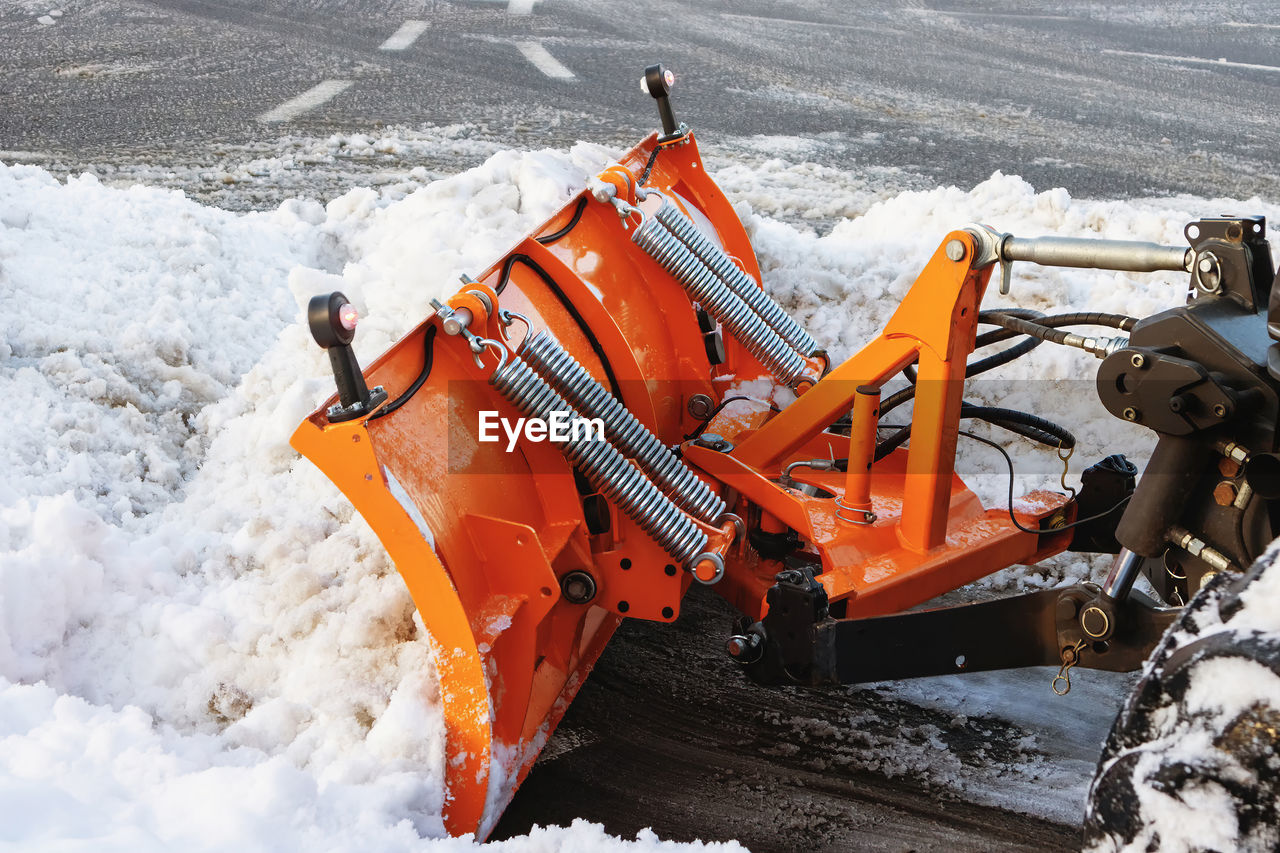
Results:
[455, 321]
[1070, 657]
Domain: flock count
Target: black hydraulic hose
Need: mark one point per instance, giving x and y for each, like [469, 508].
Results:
[504, 278]
[1045, 328]
[1038, 327]
[428, 356]
[577, 215]
[1020, 326]
[1030, 426]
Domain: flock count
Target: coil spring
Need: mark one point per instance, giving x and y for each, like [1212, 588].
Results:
[707, 288]
[566, 376]
[603, 466]
[737, 280]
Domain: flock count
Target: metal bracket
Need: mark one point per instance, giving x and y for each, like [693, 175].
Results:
[798, 642]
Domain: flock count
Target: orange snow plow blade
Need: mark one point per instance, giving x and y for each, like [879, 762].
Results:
[639, 305]
[484, 538]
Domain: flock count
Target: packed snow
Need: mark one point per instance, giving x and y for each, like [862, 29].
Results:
[201, 645]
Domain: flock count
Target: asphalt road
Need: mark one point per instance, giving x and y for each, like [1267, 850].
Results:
[1105, 99]
[1108, 100]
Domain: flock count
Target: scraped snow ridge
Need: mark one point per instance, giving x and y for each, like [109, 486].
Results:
[201, 645]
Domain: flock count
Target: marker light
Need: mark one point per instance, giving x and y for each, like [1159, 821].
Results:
[348, 316]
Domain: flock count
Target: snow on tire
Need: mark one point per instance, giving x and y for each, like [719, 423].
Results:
[1192, 761]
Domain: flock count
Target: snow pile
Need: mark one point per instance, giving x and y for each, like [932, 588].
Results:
[200, 644]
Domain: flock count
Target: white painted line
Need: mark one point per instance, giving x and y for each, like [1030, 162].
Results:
[520, 7]
[308, 100]
[1195, 60]
[543, 61]
[1252, 26]
[404, 37]
[768, 20]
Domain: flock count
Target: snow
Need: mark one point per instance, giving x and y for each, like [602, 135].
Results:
[201, 645]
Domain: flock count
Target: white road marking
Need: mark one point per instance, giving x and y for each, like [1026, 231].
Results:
[543, 61]
[520, 7]
[1195, 60]
[1252, 26]
[769, 20]
[308, 100]
[404, 37]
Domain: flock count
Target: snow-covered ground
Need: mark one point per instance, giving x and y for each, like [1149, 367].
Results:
[201, 645]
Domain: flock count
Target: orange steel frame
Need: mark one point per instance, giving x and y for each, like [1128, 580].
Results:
[511, 651]
[931, 533]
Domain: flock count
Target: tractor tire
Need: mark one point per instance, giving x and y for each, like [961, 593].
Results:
[1193, 759]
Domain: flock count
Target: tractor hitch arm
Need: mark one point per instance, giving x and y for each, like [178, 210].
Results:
[799, 642]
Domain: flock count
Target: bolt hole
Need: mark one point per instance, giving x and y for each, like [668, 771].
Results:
[1101, 646]
[355, 439]
[960, 661]
[964, 312]
[1256, 228]
[667, 613]
[1193, 231]
[624, 606]
[625, 563]
[546, 591]
[670, 570]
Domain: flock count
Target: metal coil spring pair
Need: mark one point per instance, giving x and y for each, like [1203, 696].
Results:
[605, 468]
[708, 289]
[569, 378]
[738, 281]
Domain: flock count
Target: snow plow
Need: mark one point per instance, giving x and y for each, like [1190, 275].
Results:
[554, 449]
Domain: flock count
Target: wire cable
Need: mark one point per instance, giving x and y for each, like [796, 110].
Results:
[428, 356]
[577, 215]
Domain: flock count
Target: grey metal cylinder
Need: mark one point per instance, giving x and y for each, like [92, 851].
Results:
[1126, 255]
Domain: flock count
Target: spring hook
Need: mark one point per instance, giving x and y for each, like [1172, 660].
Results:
[564, 374]
[605, 468]
[1066, 468]
[507, 318]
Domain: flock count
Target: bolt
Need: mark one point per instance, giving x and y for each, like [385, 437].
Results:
[744, 648]
[578, 587]
[711, 441]
[1130, 413]
[1224, 494]
[1137, 360]
[955, 250]
[700, 407]
[1219, 410]
[1206, 263]
[1228, 467]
